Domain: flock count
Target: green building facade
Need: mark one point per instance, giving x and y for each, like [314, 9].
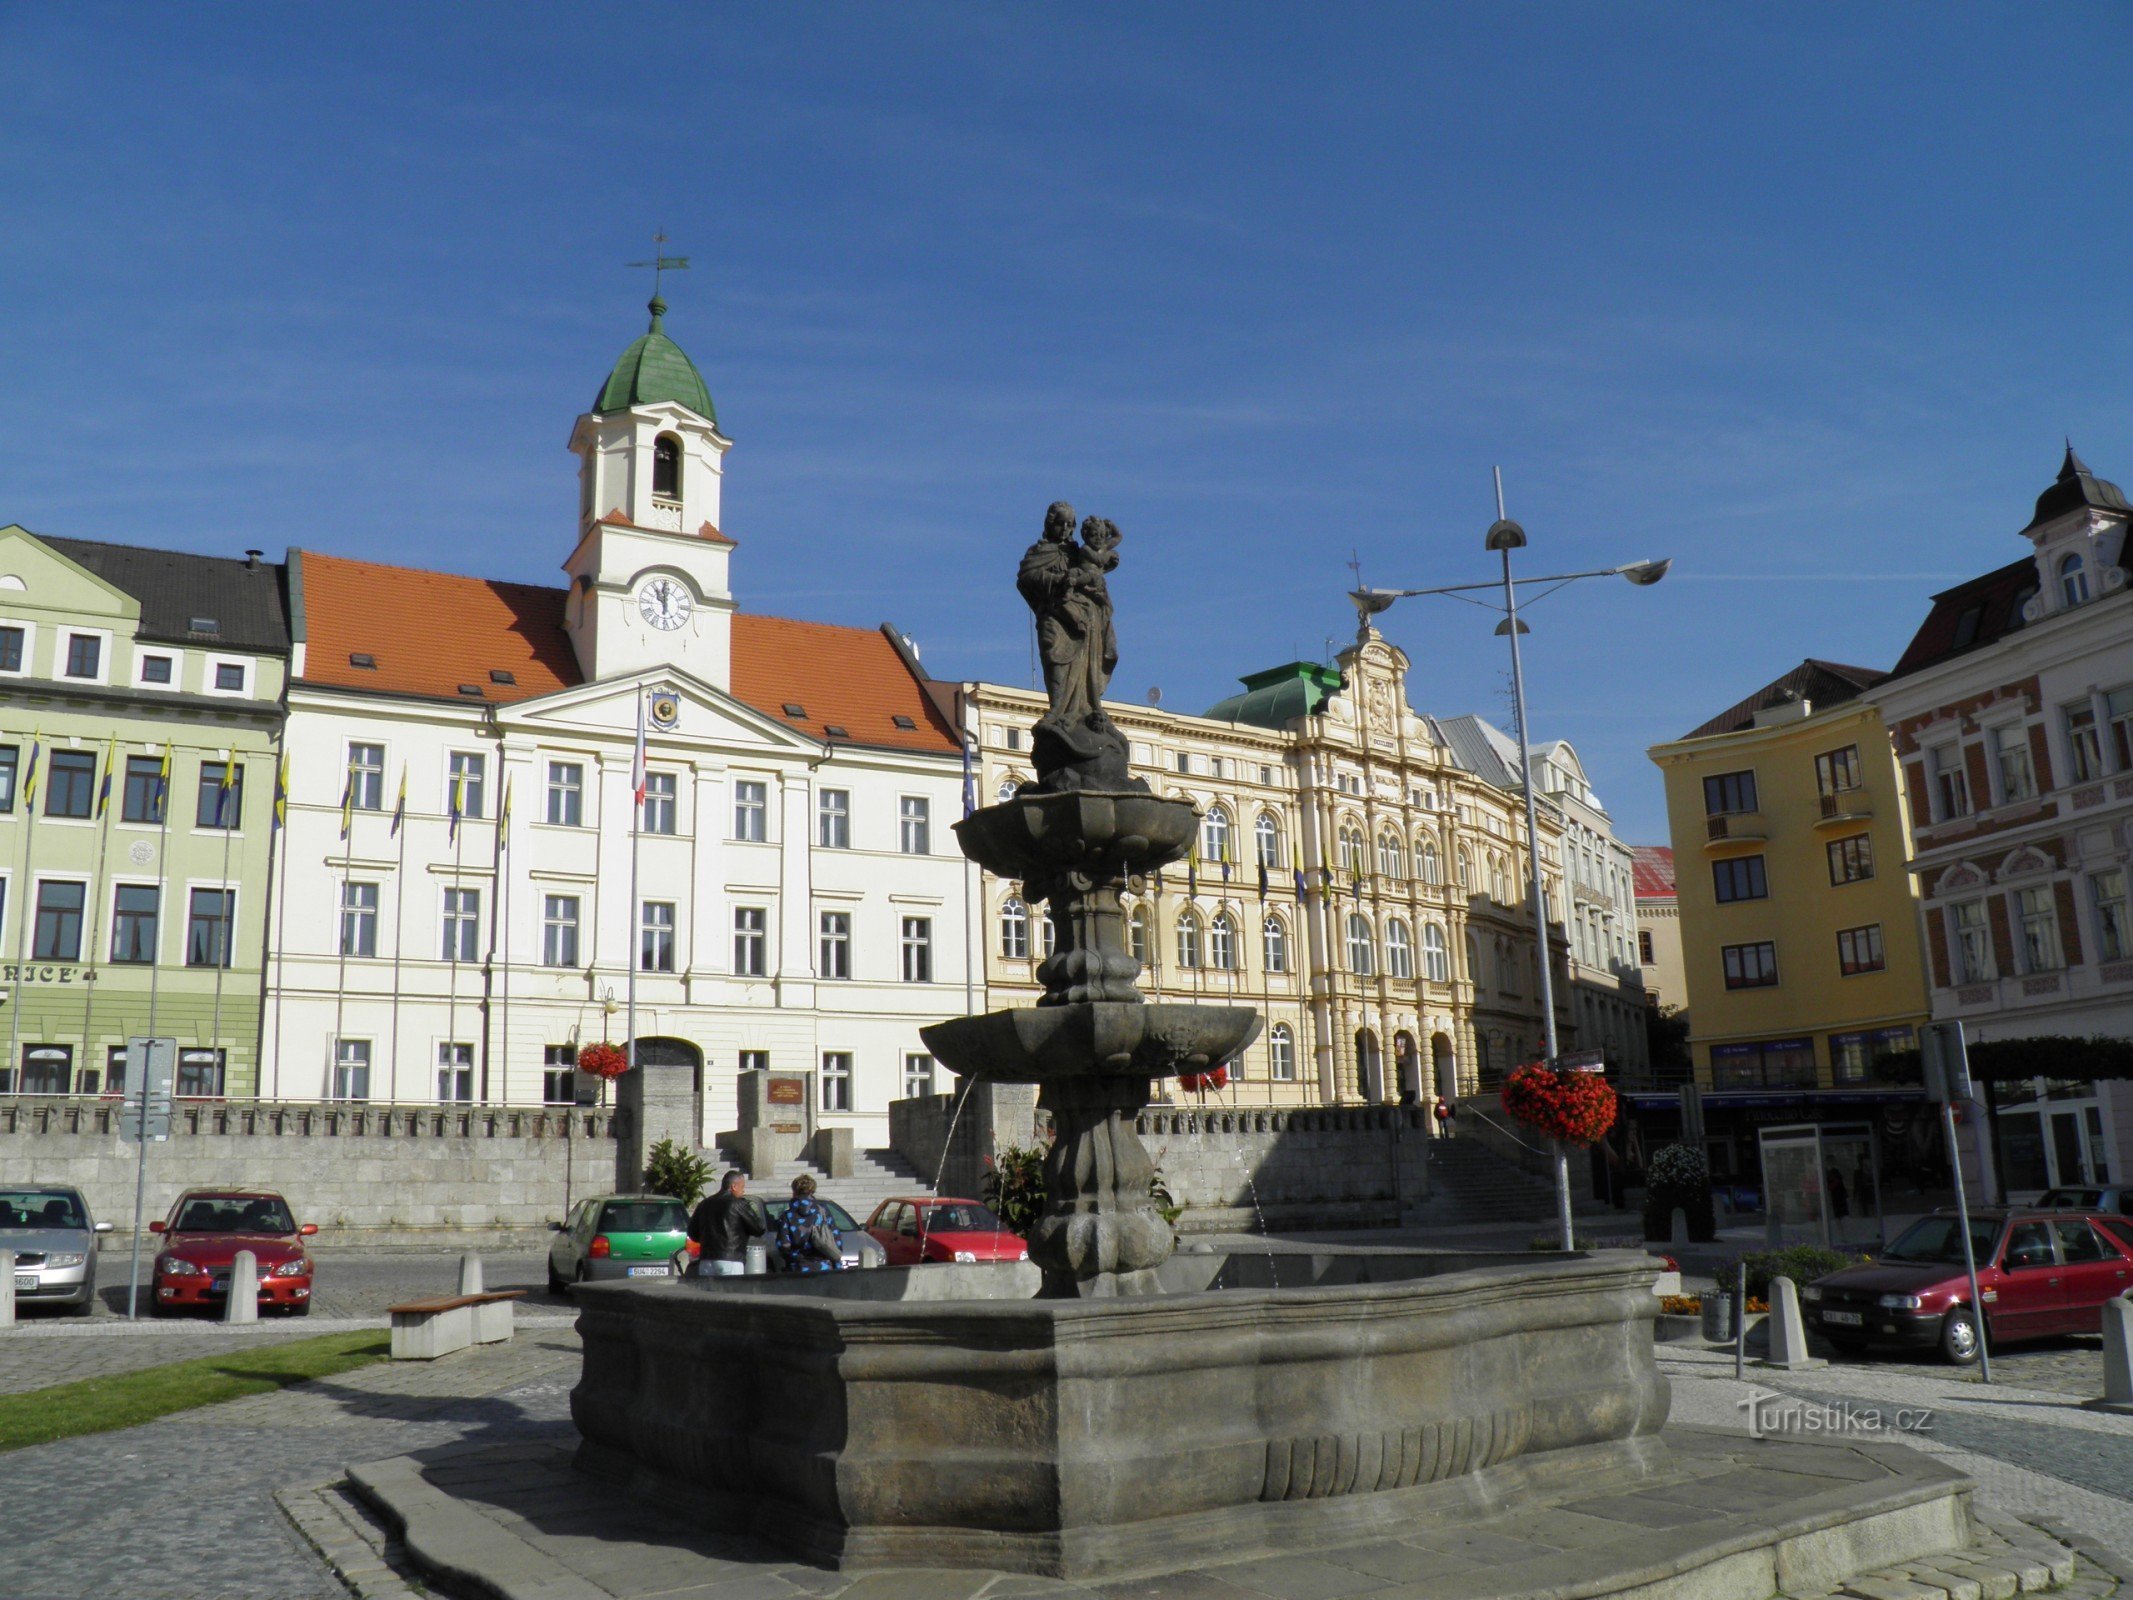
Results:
[140, 739]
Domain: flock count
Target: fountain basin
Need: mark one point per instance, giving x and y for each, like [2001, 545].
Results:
[1096, 1038]
[940, 1416]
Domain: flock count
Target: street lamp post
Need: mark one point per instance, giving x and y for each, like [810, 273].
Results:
[1503, 537]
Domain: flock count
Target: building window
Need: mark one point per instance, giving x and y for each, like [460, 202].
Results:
[1391, 863]
[1274, 942]
[754, 1061]
[2118, 706]
[1751, 966]
[1184, 762]
[1773, 1064]
[1466, 869]
[207, 932]
[1266, 840]
[1360, 955]
[1644, 948]
[1281, 1054]
[1950, 784]
[133, 924]
[836, 1080]
[351, 1070]
[1436, 959]
[1351, 851]
[1188, 940]
[1222, 943]
[2038, 923]
[914, 822]
[2073, 581]
[1739, 879]
[470, 778]
[655, 937]
[1399, 950]
[70, 785]
[918, 1075]
[46, 1069]
[751, 811]
[659, 808]
[146, 790]
[559, 1074]
[11, 649]
[85, 655]
[1859, 950]
[359, 919]
[2010, 758]
[1859, 1057]
[833, 819]
[10, 762]
[835, 928]
[462, 916]
[1014, 931]
[200, 1075]
[666, 467]
[751, 935]
[1426, 860]
[220, 800]
[1851, 860]
[2107, 892]
[1728, 793]
[917, 944]
[57, 936]
[156, 670]
[566, 794]
[1837, 770]
[2083, 748]
[229, 677]
[455, 1071]
[1137, 934]
[559, 930]
[1214, 835]
[1973, 942]
[366, 777]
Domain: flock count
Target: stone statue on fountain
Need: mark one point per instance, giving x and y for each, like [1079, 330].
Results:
[1064, 583]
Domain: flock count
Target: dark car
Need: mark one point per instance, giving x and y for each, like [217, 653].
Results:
[2039, 1273]
[2116, 1197]
[48, 1228]
[202, 1236]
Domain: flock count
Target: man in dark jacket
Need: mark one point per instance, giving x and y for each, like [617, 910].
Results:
[724, 1224]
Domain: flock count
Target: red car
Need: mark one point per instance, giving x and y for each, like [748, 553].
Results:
[926, 1229]
[2039, 1273]
[201, 1238]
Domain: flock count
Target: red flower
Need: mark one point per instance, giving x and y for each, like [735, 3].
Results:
[1214, 1078]
[1574, 1107]
[603, 1061]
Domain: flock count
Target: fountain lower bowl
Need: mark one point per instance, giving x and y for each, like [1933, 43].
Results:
[941, 1416]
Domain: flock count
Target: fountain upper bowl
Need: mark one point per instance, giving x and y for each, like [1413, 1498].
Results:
[1037, 835]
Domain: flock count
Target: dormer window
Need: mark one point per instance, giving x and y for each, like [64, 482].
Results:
[666, 467]
[2073, 581]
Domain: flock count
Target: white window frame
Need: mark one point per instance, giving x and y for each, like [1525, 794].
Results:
[560, 927]
[63, 645]
[751, 941]
[356, 778]
[1970, 942]
[1014, 929]
[751, 809]
[915, 949]
[648, 929]
[565, 795]
[2112, 913]
[458, 925]
[2036, 928]
[662, 803]
[918, 1080]
[245, 668]
[835, 1091]
[1281, 1054]
[141, 680]
[352, 1056]
[914, 821]
[833, 819]
[1274, 945]
[833, 941]
[29, 649]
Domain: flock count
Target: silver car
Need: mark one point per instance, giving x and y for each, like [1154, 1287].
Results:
[54, 1241]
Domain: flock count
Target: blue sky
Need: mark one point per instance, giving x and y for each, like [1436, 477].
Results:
[1804, 297]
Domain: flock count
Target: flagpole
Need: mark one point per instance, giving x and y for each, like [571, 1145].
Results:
[228, 952]
[399, 903]
[970, 799]
[459, 845]
[280, 845]
[22, 914]
[502, 938]
[103, 846]
[636, 830]
[155, 970]
[340, 931]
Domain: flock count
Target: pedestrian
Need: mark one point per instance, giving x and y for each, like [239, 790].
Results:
[723, 1225]
[805, 1230]
[1840, 1203]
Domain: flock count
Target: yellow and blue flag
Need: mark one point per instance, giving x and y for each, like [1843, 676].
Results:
[400, 805]
[281, 794]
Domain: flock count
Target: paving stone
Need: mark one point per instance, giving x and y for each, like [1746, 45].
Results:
[1175, 1586]
[1891, 1588]
[1402, 1563]
[1302, 1578]
[1994, 1582]
[1958, 1586]
[913, 1583]
[1640, 1511]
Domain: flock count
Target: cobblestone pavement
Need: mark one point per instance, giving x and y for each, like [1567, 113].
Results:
[183, 1509]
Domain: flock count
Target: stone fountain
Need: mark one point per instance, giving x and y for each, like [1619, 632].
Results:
[1112, 1406]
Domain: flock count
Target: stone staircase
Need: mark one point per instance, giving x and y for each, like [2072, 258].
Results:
[1474, 1184]
[877, 1175]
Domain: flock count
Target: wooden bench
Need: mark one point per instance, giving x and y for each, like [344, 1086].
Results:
[423, 1330]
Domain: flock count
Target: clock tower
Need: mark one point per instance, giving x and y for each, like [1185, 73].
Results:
[648, 579]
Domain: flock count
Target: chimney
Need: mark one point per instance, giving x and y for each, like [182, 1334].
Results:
[251, 559]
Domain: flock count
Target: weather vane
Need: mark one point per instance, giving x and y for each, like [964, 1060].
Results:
[661, 262]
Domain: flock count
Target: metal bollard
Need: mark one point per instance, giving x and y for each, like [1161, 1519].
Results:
[2117, 1358]
[470, 1273]
[756, 1261]
[242, 1304]
[7, 1288]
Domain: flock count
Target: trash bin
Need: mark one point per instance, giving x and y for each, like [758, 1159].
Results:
[1718, 1318]
[756, 1259]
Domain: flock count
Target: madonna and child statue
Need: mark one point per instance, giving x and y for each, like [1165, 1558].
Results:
[1064, 581]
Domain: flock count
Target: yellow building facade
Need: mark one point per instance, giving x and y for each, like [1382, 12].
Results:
[1798, 915]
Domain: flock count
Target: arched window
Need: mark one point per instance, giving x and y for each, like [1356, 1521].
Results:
[1281, 1054]
[1360, 960]
[1274, 944]
[1214, 835]
[1399, 950]
[1351, 840]
[1014, 931]
[1266, 833]
[1137, 934]
[1426, 859]
[2073, 581]
[1436, 961]
[1506, 967]
[1466, 869]
[666, 467]
[1006, 791]
[1474, 974]
[1188, 940]
[1391, 863]
[1222, 943]
[1047, 935]
[1499, 881]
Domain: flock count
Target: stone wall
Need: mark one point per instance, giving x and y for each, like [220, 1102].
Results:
[993, 1116]
[354, 1170]
[1280, 1171]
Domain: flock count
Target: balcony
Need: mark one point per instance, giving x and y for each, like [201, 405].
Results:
[1734, 827]
[1846, 805]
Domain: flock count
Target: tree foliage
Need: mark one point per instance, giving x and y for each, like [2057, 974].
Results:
[678, 1171]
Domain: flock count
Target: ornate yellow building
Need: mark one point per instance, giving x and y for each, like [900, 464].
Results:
[1353, 880]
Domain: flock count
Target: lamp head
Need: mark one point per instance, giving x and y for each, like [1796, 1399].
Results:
[1369, 602]
[1504, 534]
[1645, 573]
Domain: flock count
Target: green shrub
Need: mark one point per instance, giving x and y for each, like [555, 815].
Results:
[676, 1170]
[1678, 1178]
[1802, 1263]
[1014, 1187]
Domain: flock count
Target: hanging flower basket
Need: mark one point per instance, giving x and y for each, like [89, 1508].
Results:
[1574, 1107]
[603, 1061]
[1198, 1082]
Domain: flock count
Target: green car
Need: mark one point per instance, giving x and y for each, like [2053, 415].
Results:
[617, 1236]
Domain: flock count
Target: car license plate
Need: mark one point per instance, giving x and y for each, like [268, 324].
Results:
[648, 1272]
[25, 1280]
[1844, 1319]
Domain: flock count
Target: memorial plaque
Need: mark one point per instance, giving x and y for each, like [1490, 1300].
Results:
[788, 1091]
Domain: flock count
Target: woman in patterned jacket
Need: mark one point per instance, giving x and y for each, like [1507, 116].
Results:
[796, 1229]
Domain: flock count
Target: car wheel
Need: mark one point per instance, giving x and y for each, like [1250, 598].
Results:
[556, 1285]
[1959, 1340]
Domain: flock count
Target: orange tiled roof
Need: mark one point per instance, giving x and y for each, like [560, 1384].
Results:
[430, 632]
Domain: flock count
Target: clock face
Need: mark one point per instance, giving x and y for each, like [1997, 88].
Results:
[665, 604]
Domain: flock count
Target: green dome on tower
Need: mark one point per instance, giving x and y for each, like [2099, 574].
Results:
[652, 370]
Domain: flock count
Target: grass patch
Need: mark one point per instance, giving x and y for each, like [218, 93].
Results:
[127, 1399]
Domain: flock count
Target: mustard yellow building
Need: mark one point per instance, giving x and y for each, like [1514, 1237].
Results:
[1799, 917]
